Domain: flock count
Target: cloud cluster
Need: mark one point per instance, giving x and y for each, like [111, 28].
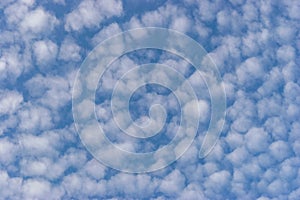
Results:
[255, 45]
[92, 13]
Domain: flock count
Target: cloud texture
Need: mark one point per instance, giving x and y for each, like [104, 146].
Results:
[255, 45]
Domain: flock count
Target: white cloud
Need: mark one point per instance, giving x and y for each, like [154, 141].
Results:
[155, 18]
[256, 140]
[132, 186]
[8, 151]
[12, 185]
[252, 169]
[276, 188]
[268, 107]
[9, 123]
[33, 167]
[60, 2]
[173, 183]
[273, 82]
[5, 3]
[45, 52]
[28, 2]
[77, 186]
[257, 156]
[238, 156]
[36, 188]
[51, 91]
[90, 13]
[168, 15]
[105, 33]
[285, 33]
[10, 101]
[277, 127]
[192, 192]
[286, 54]
[242, 107]
[34, 118]
[16, 12]
[288, 170]
[39, 188]
[134, 22]
[69, 51]
[242, 124]
[39, 146]
[38, 21]
[234, 140]
[254, 41]
[294, 195]
[292, 8]
[228, 18]
[250, 72]
[12, 63]
[217, 182]
[250, 12]
[202, 30]
[181, 24]
[280, 150]
[291, 91]
[94, 169]
[207, 10]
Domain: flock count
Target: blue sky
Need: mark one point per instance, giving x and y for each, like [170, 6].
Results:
[254, 44]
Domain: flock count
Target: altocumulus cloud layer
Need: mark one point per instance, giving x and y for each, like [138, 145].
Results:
[255, 44]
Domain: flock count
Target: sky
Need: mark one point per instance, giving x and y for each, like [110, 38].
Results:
[46, 152]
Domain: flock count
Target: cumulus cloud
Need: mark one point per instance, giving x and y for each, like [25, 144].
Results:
[69, 51]
[38, 21]
[12, 64]
[256, 140]
[90, 13]
[256, 48]
[250, 72]
[37, 188]
[45, 52]
[8, 151]
[34, 118]
[170, 16]
[173, 183]
[10, 102]
[105, 33]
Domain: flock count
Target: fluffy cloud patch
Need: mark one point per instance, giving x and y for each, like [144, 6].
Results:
[45, 52]
[254, 44]
[10, 101]
[69, 51]
[90, 13]
[38, 21]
